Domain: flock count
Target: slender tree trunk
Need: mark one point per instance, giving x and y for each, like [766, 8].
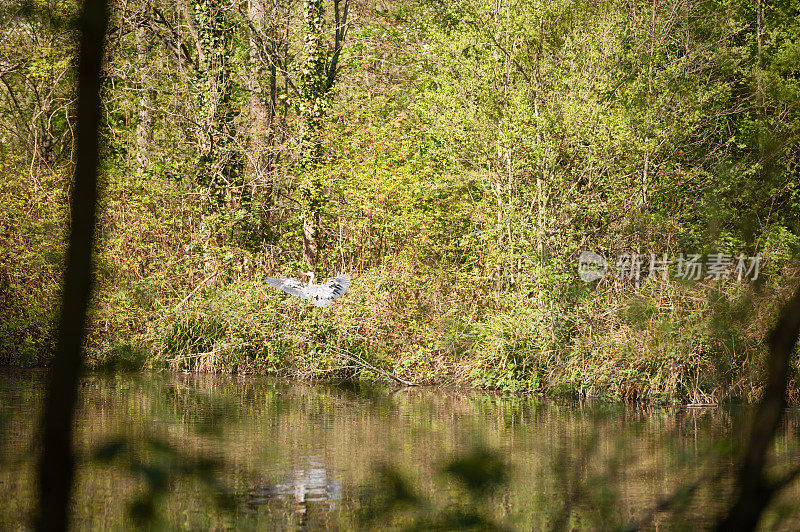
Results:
[266, 44]
[56, 462]
[259, 121]
[220, 166]
[312, 108]
[645, 178]
[759, 39]
[275, 44]
[44, 141]
[144, 125]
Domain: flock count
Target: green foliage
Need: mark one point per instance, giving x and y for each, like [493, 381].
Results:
[158, 463]
[394, 501]
[121, 357]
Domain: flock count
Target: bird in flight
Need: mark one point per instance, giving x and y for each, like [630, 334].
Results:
[321, 295]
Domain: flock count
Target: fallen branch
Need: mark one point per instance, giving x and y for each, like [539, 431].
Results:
[190, 294]
[352, 357]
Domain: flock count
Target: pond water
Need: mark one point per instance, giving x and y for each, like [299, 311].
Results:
[216, 452]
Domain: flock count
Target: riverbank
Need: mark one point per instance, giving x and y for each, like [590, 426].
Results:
[661, 342]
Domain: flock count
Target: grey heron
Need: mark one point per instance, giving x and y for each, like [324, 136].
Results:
[321, 295]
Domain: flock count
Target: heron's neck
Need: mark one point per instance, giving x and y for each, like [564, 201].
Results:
[310, 278]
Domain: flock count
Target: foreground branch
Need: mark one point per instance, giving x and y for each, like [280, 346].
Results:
[754, 492]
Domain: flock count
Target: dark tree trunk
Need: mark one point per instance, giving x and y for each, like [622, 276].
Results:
[56, 462]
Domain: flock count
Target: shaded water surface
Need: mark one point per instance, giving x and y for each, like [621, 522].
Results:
[200, 451]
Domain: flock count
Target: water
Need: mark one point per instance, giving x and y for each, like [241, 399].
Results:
[202, 451]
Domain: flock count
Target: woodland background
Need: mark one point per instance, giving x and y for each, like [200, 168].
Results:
[453, 158]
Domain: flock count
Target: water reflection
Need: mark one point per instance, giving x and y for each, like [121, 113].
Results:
[298, 456]
[307, 490]
[313, 484]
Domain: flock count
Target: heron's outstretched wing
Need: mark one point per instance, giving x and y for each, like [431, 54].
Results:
[324, 294]
[290, 286]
